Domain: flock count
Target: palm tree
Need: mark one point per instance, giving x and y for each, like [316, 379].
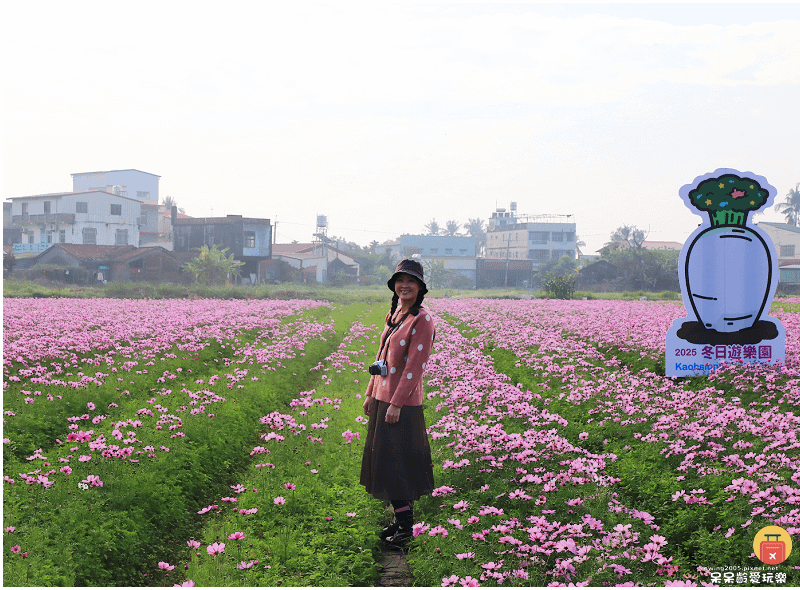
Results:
[791, 207]
[477, 229]
[451, 228]
[432, 228]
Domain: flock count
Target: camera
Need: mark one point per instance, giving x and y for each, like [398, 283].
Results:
[378, 368]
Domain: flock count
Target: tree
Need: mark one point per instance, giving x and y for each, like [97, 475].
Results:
[432, 228]
[212, 267]
[477, 229]
[630, 234]
[642, 269]
[790, 208]
[436, 274]
[170, 202]
[372, 245]
[451, 228]
[555, 267]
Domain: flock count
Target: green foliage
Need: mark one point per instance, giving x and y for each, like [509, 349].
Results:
[557, 267]
[436, 274]
[559, 287]
[212, 266]
[640, 268]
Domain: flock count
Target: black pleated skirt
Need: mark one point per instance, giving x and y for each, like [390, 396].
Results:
[397, 457]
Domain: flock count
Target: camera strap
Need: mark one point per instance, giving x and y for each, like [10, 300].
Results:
[392, 330]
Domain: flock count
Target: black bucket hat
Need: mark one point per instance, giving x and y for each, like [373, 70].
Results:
[409, 267]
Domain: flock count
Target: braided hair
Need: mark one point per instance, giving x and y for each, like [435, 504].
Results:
[414, 308]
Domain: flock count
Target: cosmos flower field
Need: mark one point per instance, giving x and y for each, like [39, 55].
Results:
[214, 442]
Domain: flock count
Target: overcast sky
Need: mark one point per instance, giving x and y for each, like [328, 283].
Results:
[385, 116]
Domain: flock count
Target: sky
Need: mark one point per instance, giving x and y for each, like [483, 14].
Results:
[385, 116]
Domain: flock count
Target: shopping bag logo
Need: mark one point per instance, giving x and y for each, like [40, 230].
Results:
[772, 545]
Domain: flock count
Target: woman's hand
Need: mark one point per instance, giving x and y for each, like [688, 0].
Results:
[392, 414]
[367, 405]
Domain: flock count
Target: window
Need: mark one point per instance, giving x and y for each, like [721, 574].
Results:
[143, 218]
[448, 251]
[787, 251]
[47, 206]
[62, 236]
[558, 236]
[538, 237]
[30, 238]
[81, 207]
[463, 251]
[89, 235]
[249, 239]
[537, 255]
[116, 209]
[50, 235]
[143, 195]
[121, 237]
[434, 251]
[24, 209]
[570, 236]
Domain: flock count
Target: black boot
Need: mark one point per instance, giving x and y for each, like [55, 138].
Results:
[405, 522]
[389, 530]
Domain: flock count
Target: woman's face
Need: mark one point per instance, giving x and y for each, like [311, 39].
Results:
[407, 288]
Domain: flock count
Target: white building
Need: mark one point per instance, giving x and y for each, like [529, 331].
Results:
[85, 217]
[787, 245]
[534, 237]
[131, 183]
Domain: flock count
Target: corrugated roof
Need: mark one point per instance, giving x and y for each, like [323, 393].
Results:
[91, 252]
[144, 250]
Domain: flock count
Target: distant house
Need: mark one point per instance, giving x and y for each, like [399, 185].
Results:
[787, 245]
[114, 263]
[538, 238]
[596, 274]
[91, 217]
[318, 262]
[652, 245]
[131, 183]
[248, 239]
[457, 252]
[511, 273]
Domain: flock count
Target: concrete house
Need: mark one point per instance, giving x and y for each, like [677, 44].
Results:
[787, 245]
[538, 238]
[134, 184]
[457, 252]
[92, 217]
[248, 239]
[318, 262]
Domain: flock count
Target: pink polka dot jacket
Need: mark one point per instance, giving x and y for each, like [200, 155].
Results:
[408, 350]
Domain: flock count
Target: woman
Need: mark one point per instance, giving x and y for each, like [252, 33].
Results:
[397, 457]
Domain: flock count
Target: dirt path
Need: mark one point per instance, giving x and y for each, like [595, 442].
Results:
[394, 569]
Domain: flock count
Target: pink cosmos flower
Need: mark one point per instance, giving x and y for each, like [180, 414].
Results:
[16, 549]
[66, 470]
[10, 529]
[91, 406]
[279, 500]
[238, 535]
[165, 566]
[216, 548]
[186, 584]
[289, 486]
[193, 544]
[328, 518]
[469, 582]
